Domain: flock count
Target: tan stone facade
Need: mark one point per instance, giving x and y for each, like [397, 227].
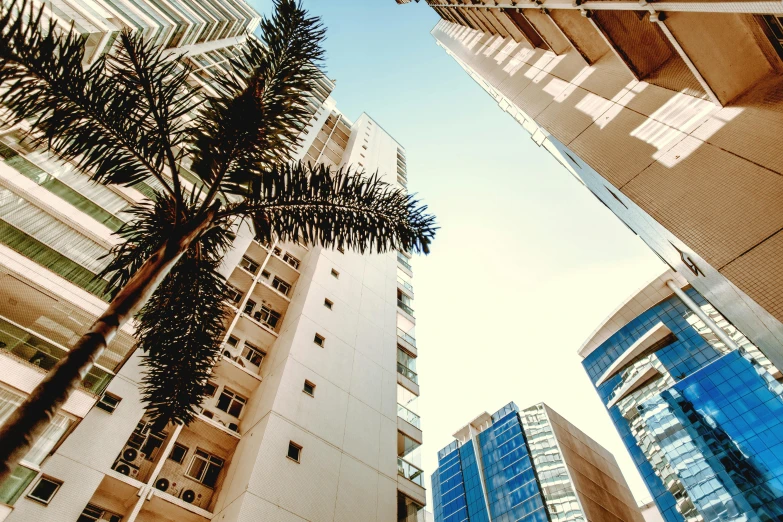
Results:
[676, 111]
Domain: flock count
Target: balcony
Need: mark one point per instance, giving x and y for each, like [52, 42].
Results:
[408, 416]
[409, 471]
[407, 373]
[405, 337]
[405, 308]
[402, 260]
[406, 285]
[410, 481]
[30, 349]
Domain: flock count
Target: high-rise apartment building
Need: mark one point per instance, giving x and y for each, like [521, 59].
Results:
[696, 403]
[312, 414]
[668, 112]
[528, 465]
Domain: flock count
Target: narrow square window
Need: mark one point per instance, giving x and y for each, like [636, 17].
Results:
[232, 341]
[44, 490]
[309, 388]
[178, 453]
[265, 274]
[319, 340]
[108, 402]
[328, 304]
[249, 265]
[335, 274]
[210, 388]
[294, 451]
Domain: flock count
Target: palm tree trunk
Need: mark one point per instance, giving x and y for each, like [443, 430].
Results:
[26, 424]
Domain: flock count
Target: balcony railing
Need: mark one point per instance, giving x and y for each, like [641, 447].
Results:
[408, 416]
[401, 259]
[38, 352]
[407, 372]
[404, 307]
[405, 284]
[410, 472]
[405, 337]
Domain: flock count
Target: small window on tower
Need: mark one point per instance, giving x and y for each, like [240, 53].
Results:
[319, 340]
[328, 304]
[294, 451]
[309, 388]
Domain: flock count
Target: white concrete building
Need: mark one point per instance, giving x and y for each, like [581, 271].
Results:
[313, 414]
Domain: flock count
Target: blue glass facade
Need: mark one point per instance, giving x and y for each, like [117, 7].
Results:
[495, 471]
[707, 432]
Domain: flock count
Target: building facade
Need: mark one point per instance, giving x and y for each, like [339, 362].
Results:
[696, 403]
[528, 465]
[668, 112]
[312, 414]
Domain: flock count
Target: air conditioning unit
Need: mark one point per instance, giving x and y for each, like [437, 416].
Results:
[162, 484]
[189, 496]
[125, 468]
[131, 455]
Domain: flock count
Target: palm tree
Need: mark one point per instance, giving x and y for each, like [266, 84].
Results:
[131, 117]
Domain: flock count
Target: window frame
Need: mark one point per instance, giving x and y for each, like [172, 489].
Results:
[250, 348]
[234, 397]
[278, 282]
[310, 384]
[319, 340]
[298, 447]
[207, 458]
[247, 261]
[335, 274]
[38, 482]
[107, 407]
[184, 455]
[328, 303]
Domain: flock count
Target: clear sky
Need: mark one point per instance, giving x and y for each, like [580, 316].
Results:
[527, 262]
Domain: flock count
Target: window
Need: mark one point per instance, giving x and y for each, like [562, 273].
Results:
[277, 251]
[232, 294]
[108, 402]
[309, 388]
[178, 453]
[335, 274]
[267, 315]
[265, 274]
[44, 490]
[205, 468]
[231, 402]
[249, 306]
[232, 341]
[291, 260]
[252, 354]
[210, 388]
[328, 304]
[280, 285]
[319, 340]
[249, 265]
[94, 513]
[294, 451]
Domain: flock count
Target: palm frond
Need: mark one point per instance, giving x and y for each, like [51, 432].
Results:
[86, 115]
[181, 331]
[256, 118]
[180, 328]
[335, 209]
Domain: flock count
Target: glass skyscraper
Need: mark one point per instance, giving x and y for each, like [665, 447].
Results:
[698, 406]
[528, 465]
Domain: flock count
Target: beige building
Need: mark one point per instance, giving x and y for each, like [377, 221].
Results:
[528, 465]
[313, 408]
[669, 112]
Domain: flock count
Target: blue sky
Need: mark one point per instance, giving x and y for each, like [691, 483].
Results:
[527, 262]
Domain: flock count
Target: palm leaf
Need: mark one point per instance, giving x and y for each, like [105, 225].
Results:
[294, 201]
